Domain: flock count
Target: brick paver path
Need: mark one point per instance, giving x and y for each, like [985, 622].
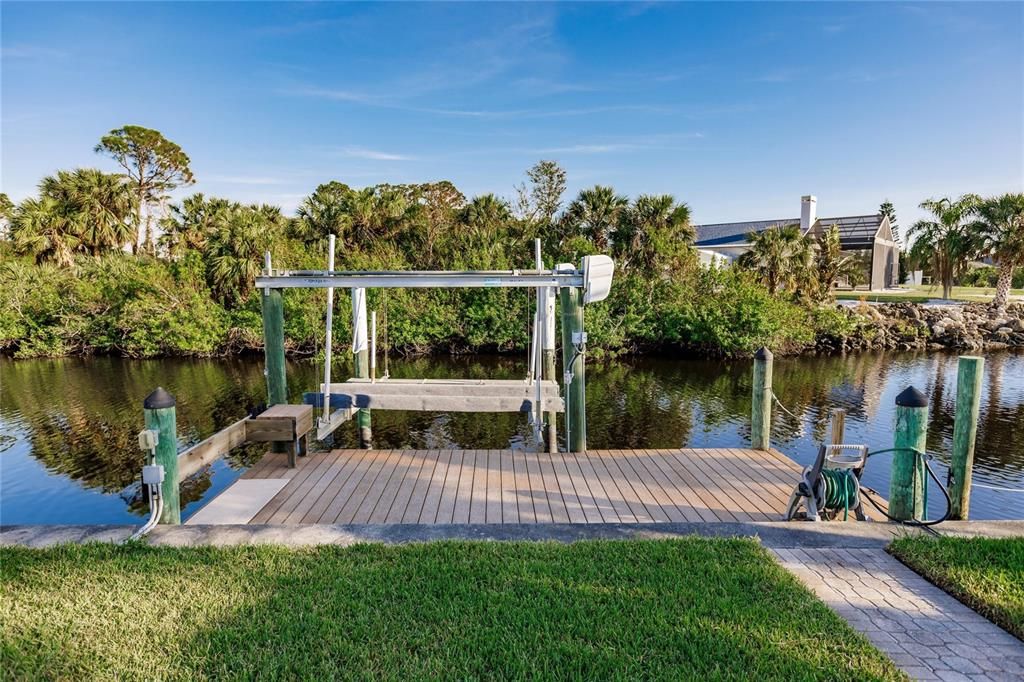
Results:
[926, 632]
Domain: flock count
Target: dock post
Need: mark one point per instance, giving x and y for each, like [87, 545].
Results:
[361, 356]
[159, 409]
[965, 430]
[761, 407]
[838, 426]
[906, 484]
[273, 346]
[573, 366]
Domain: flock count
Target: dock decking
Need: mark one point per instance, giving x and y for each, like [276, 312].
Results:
[517, 487]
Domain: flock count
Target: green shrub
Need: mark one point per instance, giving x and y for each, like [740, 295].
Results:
[730, 313]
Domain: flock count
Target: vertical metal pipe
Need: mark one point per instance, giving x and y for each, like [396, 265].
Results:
[373, 345]
[360, 353]
[536, 371]
[965, 430]
[761, 406]
[328, 336]
[906, 484]
[549, 367]
[159, 410]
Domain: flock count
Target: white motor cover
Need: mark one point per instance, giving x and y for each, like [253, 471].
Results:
[597, 278]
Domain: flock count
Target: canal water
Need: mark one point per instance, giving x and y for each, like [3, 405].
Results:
[68, 449]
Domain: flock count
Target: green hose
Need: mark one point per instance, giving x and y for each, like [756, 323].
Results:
[840, 490]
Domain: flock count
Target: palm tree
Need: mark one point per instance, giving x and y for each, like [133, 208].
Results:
[235, 247]
[326, 211]
[379, 214]
[1001, 221]
[596, 213]
[947, 241]
[42, 227]
[654, 229]
[485, 221]
[780, 256]
[104, 206]
[190, 224]
[830, 263]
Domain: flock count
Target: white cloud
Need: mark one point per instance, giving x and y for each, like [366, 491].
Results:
[242, 180]
[374, 155]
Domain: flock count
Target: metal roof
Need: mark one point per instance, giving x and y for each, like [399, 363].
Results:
[727, 233]
[855, 232]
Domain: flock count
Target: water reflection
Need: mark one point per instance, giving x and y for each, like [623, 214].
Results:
[67, 427]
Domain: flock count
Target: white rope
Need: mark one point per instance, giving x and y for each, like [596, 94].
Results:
[779, 403]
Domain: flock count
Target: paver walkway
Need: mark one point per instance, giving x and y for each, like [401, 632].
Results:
[927, 633]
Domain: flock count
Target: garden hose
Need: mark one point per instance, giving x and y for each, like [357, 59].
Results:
[839, 490]
[923, 458]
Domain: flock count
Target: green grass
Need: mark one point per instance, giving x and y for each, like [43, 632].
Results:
[882, 297]
[922, 293]
[680, 609]
[986, 574]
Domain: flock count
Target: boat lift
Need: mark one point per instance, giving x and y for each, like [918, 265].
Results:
[539, 394]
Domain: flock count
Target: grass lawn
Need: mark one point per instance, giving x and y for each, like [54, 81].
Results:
[986, 574]
[922, 293]
[680, 609]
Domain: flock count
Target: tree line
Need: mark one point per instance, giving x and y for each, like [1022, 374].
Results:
[205, 252]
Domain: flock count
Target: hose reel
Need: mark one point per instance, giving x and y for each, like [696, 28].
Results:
[831, 485]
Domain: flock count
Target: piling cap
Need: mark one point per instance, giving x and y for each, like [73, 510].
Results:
[911, 397]
[763, 354]
[159, 399]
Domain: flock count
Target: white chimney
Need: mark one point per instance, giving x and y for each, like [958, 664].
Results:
[808, 212]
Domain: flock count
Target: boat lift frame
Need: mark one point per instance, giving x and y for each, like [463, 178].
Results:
[538, 394]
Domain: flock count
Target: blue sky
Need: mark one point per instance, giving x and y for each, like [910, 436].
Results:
[737, 109]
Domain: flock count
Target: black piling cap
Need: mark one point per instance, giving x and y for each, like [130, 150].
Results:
[911, 397]
[763, 354]
[159, 399]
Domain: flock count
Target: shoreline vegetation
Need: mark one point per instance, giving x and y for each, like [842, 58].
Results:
[70, 286]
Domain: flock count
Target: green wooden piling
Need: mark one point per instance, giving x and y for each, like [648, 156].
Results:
[273, 347]
[761, 406]
[159, 410]
[906, 484]
[965, 429]
[573, 365]
[273, 352]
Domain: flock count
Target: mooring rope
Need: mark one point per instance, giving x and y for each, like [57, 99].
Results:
[779, 403]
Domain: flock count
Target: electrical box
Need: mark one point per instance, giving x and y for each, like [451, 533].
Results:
[597, 278]
[579, 338]
[148, 438]
[152, 474]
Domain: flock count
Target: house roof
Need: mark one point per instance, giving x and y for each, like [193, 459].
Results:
[730, 233]
[855, 232]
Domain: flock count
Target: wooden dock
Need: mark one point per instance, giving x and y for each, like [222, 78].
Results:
[512, 487]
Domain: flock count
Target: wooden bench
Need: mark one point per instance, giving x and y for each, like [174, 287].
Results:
[289, 424]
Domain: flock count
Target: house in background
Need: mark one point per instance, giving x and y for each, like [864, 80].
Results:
[869, 238]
